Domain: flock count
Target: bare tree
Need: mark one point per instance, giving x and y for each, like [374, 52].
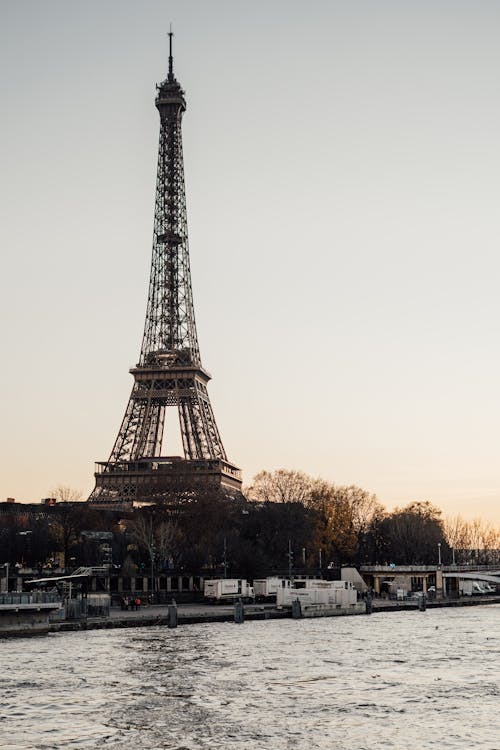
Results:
[280, 486]
[473, 541]
[153, 534]
[64, 494]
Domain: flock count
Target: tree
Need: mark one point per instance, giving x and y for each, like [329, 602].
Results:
[267, 529]
[473, 541]
[153, 533]
[64, 494]
[67, 521]
[344, 518]
[414, 534]
[344, 514]
[281, 486]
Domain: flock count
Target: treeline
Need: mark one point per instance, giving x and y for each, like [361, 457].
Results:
[287, 520]
[352, 526]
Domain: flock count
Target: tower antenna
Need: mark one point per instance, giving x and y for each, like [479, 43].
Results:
[170, 58]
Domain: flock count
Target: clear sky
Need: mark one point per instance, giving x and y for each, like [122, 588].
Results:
[343, 178]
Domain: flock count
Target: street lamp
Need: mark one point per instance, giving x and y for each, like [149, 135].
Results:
[290, 559]
[152, 553]
[25, 545]
[439, 554]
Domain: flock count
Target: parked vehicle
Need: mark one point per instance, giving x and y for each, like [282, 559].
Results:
[335, 594]
[465, 588]
[472, 588]
[265, 589]
[228, 590]
[488, 588]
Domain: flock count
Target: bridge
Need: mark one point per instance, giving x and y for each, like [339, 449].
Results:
[443, 578]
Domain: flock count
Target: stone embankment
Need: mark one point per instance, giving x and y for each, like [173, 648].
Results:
[199, 613]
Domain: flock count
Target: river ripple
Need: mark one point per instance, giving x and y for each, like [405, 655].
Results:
[407, 680]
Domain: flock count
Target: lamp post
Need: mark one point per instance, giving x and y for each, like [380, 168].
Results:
[152, 554]
[439, 554]
[225, 557]
[25, 544]
[6, 566]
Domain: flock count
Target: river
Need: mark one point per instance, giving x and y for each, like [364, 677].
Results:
[407, 680]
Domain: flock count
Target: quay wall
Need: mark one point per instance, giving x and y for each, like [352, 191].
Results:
[158, 615]
[24, 622]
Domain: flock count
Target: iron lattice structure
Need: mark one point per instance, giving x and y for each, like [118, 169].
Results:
[169, 371]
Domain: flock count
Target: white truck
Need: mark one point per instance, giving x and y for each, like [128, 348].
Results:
[267, 588]
[227, 590]
[471, 588]
[331, 593]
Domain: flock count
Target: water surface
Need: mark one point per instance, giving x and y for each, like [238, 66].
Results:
[407, 680]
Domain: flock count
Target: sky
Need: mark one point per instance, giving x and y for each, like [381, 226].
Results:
[342, 164]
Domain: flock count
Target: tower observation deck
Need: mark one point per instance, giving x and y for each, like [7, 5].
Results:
[169, 372]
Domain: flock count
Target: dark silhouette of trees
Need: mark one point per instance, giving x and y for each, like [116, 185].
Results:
[344, 516]
[340, 516]
[66, 522]
[412, 535]
[205, 532]
[155, 534]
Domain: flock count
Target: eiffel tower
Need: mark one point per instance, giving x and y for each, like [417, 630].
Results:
[169, 372]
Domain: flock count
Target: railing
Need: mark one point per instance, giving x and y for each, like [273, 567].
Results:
[35, 597]
[103, 570]
[424, 568]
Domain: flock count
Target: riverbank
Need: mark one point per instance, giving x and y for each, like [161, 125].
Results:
[188, 614]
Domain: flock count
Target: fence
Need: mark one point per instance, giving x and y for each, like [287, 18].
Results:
[94, 605]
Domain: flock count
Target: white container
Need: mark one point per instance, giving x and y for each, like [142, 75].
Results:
[227, 589]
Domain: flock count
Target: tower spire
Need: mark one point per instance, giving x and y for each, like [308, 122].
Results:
[170, 58]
